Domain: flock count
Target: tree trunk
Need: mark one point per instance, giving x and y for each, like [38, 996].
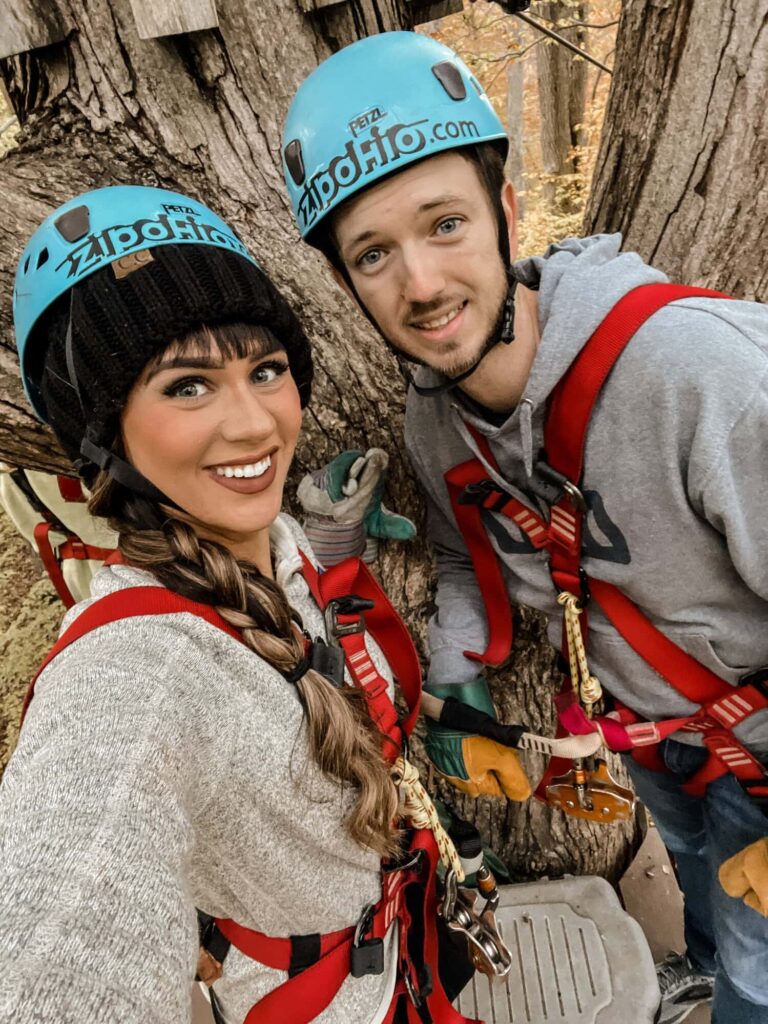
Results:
[562, 91]
[683, 163]
[201, 113]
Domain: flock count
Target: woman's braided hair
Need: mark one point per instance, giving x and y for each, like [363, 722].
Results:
[343, 740]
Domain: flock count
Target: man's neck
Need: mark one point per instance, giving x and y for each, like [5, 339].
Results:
[499, 382]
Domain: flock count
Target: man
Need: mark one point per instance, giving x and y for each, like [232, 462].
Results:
[394, 164]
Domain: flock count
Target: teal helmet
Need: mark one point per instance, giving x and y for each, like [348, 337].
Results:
[372, 109]
[93, 231]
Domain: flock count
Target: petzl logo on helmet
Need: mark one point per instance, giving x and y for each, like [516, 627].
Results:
[119, 239]
[379, 149]
[363, 121]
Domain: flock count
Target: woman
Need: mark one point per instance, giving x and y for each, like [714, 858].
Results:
[182, 750]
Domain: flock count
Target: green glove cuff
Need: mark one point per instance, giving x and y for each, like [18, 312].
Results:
[445, 746]
[337, 470]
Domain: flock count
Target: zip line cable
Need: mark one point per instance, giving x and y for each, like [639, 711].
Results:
[557, 37]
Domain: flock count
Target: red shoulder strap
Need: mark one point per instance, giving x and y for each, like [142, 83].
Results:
[352, 576]
[573, 399]
[125, 604]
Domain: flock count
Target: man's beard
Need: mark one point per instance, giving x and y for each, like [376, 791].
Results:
[455, 368]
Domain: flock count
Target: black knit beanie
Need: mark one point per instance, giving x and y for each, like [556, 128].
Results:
[121, 317]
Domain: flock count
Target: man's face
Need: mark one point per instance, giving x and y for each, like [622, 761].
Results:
[422, 252]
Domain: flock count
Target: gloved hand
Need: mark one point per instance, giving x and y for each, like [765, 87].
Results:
[345, 515]
[474, 764]
[745, 875]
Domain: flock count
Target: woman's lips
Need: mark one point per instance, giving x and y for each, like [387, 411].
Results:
[245, 484]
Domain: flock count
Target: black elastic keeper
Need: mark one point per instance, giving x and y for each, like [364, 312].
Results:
[465, 718]
[305, 951]
[298, 671]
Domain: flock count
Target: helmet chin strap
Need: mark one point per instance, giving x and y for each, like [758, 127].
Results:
[123, 472]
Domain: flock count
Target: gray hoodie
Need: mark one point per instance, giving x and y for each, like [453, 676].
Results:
[164, 766]
[675, 474]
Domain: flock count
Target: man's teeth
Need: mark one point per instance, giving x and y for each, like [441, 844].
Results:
[255, 469]
[432, 325]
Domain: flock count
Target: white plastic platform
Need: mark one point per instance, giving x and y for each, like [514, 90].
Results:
[577, 958]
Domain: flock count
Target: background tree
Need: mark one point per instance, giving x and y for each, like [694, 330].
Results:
[562, 90]
[683, 164]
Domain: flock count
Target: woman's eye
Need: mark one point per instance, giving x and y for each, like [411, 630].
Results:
[268, 373]
[448, 226]
[188, 388]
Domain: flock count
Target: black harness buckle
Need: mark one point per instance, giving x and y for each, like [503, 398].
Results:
[550, 485]
[367, 955]
[350, 604]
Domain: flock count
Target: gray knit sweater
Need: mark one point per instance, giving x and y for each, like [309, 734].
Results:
[163, 766]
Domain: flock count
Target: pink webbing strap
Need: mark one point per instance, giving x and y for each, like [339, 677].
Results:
[126, 604]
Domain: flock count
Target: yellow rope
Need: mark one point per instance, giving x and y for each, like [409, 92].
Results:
[586, 686]
[416, 805]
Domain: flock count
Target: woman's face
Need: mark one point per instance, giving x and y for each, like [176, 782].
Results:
[216, 433]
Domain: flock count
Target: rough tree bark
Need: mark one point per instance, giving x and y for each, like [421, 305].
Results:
[562, 90]
[202, 113]
[683, 164]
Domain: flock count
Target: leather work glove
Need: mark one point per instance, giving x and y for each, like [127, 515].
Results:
[745, 875]
[345, 515]
[474, 764]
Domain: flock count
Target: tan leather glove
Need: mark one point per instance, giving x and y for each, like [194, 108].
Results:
[493, 770]
[745, 875]
[474, 764]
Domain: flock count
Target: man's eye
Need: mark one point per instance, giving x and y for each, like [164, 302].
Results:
[370, 258]
[268, 373]
[190, 387]
[448, 226]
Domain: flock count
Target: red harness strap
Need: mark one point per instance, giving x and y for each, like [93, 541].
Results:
[722, 705]
[72, 547]
[352, 577]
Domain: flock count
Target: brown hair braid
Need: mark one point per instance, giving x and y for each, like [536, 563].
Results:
[342, 737]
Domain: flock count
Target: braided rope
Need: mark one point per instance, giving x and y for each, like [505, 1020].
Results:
[416, 805]
[586, 686]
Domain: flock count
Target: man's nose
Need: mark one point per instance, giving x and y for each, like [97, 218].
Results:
[423, 276]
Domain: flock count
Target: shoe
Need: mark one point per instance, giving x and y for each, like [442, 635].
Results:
[683, 988]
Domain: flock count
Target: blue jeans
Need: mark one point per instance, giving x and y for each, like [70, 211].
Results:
[724, 937]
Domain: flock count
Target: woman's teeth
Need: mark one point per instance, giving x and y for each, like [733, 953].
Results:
[432, 325]
[255, 469]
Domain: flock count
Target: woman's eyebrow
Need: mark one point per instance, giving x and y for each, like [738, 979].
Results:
[186, 362]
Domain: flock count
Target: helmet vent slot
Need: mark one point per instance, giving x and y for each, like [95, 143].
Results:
[42, 259]
[294, 161]
[74, 224]
[449, 76]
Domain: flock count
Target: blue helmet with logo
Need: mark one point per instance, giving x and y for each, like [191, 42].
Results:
[95, 230]
[372, 109]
